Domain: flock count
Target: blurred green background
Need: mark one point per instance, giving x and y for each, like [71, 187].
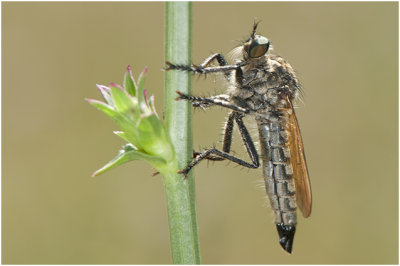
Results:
[346, 56]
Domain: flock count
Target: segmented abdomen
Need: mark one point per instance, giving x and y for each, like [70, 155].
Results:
[278, 171]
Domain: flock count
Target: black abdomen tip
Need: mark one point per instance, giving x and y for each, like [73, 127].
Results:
[286, 235]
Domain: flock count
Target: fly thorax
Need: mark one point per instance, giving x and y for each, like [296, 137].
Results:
[281, 74]
[276, 97]
[242, 92]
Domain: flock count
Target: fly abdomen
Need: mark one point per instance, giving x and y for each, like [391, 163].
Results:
[278, 176]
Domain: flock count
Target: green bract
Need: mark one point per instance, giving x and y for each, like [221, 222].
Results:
[140, 125]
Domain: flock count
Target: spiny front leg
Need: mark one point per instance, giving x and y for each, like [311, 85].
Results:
[198, 69]
[221, 61]
[203, 70]
[219, 57]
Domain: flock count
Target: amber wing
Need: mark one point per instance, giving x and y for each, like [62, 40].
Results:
[299, 165]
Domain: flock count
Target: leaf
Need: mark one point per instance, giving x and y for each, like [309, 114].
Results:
[105, 108]
[129, 82]
[122, 101]
[152, 105]
[105, 92]
[141, 80]
[122, 121]
[129, 153]
[130, 138]
[153, 138]
[122, 135]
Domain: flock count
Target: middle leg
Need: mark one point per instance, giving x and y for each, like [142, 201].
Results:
[221, 100]
[251, 150]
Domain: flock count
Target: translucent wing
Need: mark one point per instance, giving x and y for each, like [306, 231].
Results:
[298, 162]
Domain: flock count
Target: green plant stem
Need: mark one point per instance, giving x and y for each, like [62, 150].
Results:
[180, 192]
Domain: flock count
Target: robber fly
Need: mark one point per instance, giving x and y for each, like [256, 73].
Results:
[264, 86]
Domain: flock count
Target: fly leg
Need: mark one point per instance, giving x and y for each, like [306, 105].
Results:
[208, 60]
[221, 61]
[228, 130]
[197, 69]
[209, 157]
[203, 102]
[204, 68]
[227, 140]
[251, 150]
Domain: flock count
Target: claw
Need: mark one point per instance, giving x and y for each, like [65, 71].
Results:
[170, 66]
[181, 96]
[182, 171]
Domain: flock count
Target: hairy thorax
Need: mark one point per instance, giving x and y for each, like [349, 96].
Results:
[267, 83]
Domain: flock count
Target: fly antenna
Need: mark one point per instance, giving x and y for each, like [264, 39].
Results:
[253, 33]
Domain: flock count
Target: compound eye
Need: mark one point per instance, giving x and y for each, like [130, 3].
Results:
[258, 47]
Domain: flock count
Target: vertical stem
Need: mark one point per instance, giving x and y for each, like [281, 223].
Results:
[180, 192]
